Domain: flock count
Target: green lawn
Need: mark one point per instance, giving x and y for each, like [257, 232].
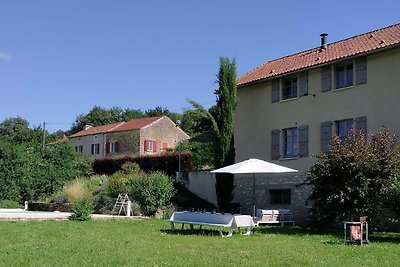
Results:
[150, 243]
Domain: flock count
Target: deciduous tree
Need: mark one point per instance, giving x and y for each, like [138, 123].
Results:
[354, 177]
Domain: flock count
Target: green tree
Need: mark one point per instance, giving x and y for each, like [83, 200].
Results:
[221, 119]
[224, 148]
[202, 153]
[17, 131]
[97, 116]
[160, 111]
[354, 177]
[194, 122]
[129, 114]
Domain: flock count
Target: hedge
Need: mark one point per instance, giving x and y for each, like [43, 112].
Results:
[168, 163]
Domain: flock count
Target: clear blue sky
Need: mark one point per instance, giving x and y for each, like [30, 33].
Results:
[58, 59]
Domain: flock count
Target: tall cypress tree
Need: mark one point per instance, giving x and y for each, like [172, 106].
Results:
[224, 140]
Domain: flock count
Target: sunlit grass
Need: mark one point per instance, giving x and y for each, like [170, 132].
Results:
[150, 243]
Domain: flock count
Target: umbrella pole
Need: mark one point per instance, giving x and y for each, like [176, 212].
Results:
[254, 195]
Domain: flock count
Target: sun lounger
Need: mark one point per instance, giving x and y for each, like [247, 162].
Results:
[281, 216]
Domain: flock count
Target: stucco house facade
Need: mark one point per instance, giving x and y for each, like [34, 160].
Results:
[137, 137]
[289, 108]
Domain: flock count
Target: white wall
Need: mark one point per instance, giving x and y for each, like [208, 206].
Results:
[202, 183]
[87, 141]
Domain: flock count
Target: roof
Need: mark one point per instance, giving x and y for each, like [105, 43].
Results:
[360, 44]
[134, 124]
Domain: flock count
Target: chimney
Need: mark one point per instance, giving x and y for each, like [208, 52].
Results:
[87, 126]
[323, 40]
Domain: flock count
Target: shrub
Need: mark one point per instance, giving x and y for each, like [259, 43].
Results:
[393, 197]
[75, 190]
[82, 209]
[130, 168]
[103, 203]
[354, 176]
[9, 204]
[153, 192]
[120, 182]
[168, 211]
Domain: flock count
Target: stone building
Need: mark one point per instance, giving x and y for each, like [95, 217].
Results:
[137, 137]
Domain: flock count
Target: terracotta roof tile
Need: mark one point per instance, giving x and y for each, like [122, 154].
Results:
[136, 124]
[367, 42]
[118, 127]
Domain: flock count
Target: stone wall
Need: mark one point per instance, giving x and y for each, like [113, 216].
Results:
[263, 184]
[129, 142]
[162, 130]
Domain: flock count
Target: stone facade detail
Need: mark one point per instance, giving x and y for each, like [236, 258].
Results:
[243, 194]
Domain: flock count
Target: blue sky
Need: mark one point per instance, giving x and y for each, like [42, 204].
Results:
[58, 59]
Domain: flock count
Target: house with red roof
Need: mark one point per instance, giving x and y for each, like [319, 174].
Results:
[288, 108]
[137, 137]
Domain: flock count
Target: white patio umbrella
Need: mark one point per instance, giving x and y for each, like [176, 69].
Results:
[253, 166]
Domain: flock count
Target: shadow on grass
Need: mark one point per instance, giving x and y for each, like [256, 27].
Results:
[296, 230]
[385, 237]
[336, 233]
[200, 232]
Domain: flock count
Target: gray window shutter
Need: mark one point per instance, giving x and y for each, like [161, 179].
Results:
[326, 79]
[303, 141]
[361, 70]
[275, 90]
[275, 151]
[360, 125]
[326, 134]
[303, 84]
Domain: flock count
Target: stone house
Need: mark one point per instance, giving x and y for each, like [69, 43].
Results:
[137, 137]
[288, 109]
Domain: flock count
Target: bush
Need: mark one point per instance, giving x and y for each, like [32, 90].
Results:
[82, 209]
[167, 162]
[130, 168]
[153, 192]
[393, 197]
[9, 204]
[120, 182]
[103, 203]
[353, 178]
[168, 211]
[75, 190]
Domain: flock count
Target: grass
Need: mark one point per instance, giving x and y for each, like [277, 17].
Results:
[150, 243]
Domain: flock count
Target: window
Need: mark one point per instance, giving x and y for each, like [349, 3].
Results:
[343, 128]
[150, 145]
[291, 142]
[113, 147]
[79, 149]
[344, 75]
[289, 87]
[95, 149]
[280, 196]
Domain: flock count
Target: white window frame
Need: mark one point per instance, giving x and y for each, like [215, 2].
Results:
[112, 147]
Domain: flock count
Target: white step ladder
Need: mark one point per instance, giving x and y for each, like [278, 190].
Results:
[123, 204]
